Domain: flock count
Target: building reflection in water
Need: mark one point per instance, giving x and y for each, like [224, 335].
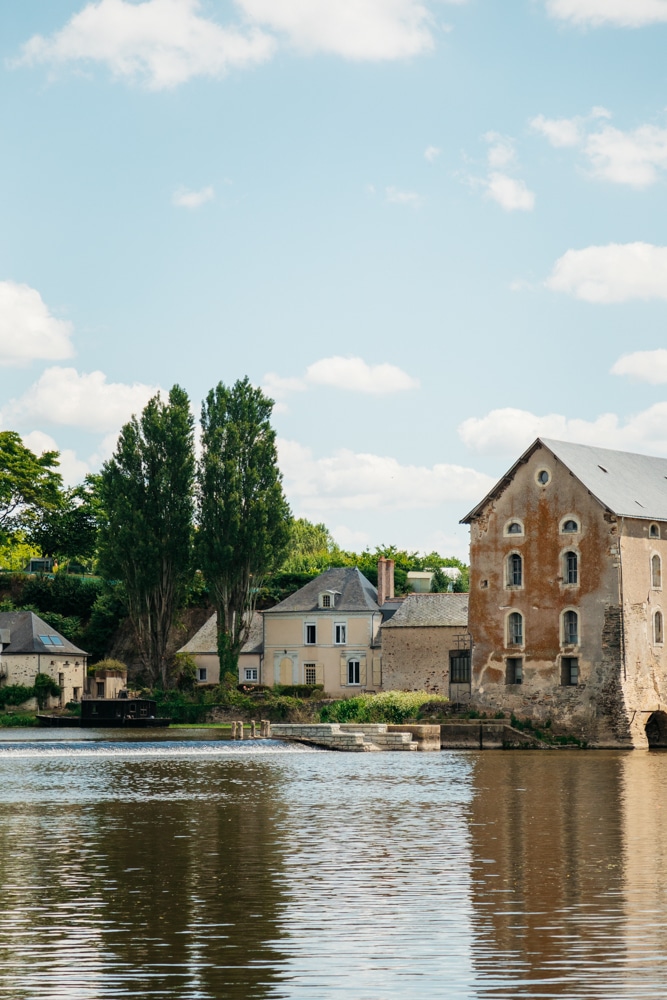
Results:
[169, 887]
[549, 845]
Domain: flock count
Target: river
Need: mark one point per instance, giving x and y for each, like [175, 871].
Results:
[201, 869]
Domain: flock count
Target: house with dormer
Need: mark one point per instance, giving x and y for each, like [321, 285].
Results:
[28, 646]
[566, 606]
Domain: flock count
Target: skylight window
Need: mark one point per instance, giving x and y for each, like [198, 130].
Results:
[46, 639]
[56, 640]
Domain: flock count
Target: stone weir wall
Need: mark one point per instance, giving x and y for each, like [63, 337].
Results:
[360, 737]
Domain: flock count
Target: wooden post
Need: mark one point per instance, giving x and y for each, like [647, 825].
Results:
[253, 730]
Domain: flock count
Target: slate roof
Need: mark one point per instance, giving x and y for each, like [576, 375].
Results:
[25, 629]
[428, 610]
[206, 639]
[627, 484]
[354, 593]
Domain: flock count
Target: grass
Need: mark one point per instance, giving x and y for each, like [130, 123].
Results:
[15, 719]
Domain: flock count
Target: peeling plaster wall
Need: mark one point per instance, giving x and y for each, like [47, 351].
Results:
[595, 707]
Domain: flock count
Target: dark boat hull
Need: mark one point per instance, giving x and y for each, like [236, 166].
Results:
[125, 723]
[59, 721]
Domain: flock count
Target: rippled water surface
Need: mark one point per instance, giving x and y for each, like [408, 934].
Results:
[194, 868]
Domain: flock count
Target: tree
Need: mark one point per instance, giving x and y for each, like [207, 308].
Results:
[440, 584]
[29, 483]
[311, 548]
[244, 518]
[147, 496]
[70, 532]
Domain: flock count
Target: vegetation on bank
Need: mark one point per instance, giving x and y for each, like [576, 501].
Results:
[393, 707]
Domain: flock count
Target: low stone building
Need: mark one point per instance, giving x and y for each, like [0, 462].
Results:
[566, 593]
[203, 648]
[426, 646]
[29, 647]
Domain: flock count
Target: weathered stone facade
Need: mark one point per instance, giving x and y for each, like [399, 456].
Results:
[564, 591]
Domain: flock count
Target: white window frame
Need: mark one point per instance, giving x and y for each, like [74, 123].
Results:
[564, 638]
[306, 640]
[306, 668]
[251, 673]
[564, 554]
[510, 644]
[338, 641]
[350, 668]
[508, 571]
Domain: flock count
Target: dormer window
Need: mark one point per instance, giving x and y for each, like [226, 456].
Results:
[328, 599]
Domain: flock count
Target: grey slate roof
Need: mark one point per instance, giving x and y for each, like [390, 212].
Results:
[428, 610]
[25, 628]
[356, 593]
[627, 484]
[206, 639]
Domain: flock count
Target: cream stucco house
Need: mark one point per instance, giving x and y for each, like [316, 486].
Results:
[203, 648]
[29, 647]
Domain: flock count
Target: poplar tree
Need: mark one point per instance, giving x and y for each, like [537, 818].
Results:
[244, 518]
[147, 496]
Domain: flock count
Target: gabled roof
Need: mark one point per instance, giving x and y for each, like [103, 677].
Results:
[356, 593]
[206, 639]
[627, 484]
[25, 629]
[428, 610]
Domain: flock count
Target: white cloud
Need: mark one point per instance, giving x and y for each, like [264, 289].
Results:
[354, 29]
[397, 197]
[357, 375]
[28, 331]
[617, 272]
[71, 468]
[161, 43]
[622, 13]
[431, 153]
[559, 131]
[350, 539]
[360, 481]
[63, 396]
[510, 193]
[501, 152]
[509, 431]
[647, 366]
[183, 198]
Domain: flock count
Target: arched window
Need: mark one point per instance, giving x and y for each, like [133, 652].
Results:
[571, 628]
[515, 629]
[514, 570]
[656, 572]
[654, 531]
[571, 567]
[514, 528]
[570, 525]
[657, 627]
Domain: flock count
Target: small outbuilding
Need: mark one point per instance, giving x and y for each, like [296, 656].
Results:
[28, 646]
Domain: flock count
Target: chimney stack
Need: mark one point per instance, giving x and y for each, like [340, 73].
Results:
[385, 580]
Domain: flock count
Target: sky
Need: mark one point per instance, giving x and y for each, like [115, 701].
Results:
[432, 231]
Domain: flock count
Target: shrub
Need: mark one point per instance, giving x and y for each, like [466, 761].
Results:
[186, 672]
[299, 690]
[109, 665]
[18, 719]
[15, 694]
[45, 686]
[390, 706]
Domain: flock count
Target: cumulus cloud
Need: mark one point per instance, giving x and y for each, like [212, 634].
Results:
[501, 183]
[28, 331]
[353, 374]
[617, 272]
[398, 197]
[622, 13]
[161, 43]
[646, 366]
[182, 198]
[510, 193]
[350, 480]
[431, 153]
[63, 396]
[71, 468]
[509, 431]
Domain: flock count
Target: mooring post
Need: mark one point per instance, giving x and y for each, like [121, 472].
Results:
[267, 729]
[233, 730]
[241, 731]
[253, 730]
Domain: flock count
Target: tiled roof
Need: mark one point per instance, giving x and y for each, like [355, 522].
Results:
[25, 629]
[353, 593]
[627, 484]
[206, 639]
[422, 610]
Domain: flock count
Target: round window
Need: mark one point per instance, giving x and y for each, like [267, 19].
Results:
[543, 477]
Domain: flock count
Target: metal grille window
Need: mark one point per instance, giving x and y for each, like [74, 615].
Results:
[310, 635]
[657, 627]
[353, 672]
[459, 667]
[571, 628]
[310, 673]
[514, 670]
[656, 572]
[514, 570]
[569, 671]
[515, 629]
[571, 567]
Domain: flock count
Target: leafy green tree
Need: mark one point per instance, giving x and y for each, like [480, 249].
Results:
[29, 483]
[70, 533]
[311, 548]
[147, 497]
[440, 584]
[244, 518]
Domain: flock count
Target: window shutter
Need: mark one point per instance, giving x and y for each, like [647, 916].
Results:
[343, 672]
[377, 671]
[362, 671]
[319, 673]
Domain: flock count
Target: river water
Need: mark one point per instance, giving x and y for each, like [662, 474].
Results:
[200, 869]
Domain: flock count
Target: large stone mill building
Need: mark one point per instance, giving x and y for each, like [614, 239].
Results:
[566, 593]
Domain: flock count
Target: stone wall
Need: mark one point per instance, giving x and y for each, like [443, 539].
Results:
[417, 658]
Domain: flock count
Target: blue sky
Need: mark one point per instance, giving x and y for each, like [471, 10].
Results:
[433, 230]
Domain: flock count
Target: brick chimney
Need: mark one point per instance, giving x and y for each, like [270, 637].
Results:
[385, 580]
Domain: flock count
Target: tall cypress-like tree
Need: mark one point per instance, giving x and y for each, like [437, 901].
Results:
[147, 494]
[244, 517]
